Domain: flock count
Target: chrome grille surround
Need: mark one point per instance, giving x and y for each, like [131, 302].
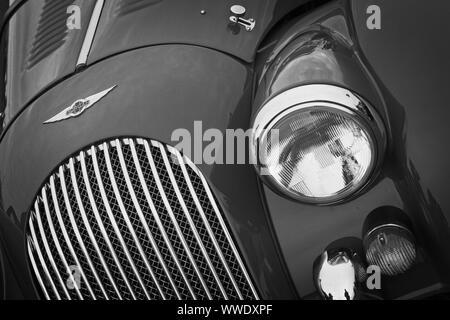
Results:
[132, 219]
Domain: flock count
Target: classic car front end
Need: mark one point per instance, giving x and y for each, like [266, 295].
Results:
[98, 202]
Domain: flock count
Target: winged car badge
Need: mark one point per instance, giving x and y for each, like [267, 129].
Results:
[79, 106]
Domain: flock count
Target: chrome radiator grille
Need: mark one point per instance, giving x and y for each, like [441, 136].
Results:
[132, 219]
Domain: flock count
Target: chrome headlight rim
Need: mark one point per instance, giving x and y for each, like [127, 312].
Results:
[320, 96]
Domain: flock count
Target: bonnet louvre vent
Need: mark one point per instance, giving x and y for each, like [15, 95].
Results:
[128, 6]
[51, 32]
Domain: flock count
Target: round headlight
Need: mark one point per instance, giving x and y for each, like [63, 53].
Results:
[316, 143]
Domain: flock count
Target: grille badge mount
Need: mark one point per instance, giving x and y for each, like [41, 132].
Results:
[79, 106]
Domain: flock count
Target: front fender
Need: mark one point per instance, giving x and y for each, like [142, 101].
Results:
[406, 84]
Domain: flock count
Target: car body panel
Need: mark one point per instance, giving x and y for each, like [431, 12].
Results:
[125, 25]
[39, 52]
[172, 72]
[411, 99]
[414, 82]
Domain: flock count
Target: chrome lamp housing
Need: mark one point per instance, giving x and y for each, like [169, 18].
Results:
[317, 143]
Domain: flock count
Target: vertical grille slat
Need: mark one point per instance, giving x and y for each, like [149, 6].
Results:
[78, 241]
[117, 224]
[83, 222]
[211, 234]
[126, 264]
[67, 241]
[203, 256]
[136, 220]
[169, 280]
[181, 216]
[171, 219]
[43, 239]
[166, 247]
[60, 256]
[104, 234]
[127, 215]
[48, 280]
[227, 242]
[139, 213]
[37, 268]
[189, 195]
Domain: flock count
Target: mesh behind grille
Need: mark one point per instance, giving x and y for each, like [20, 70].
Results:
[132, 219]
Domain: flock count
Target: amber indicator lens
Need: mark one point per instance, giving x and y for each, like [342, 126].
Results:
[392, 248]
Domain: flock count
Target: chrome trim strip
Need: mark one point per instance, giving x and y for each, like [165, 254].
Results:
[224, 227]
[55, 237]
[317, 96]
[105, 150]
[206, 222]
[97, 215]
[188, 217]
[138, 168]
[41, 257]
[90, 34]
[227, 234]
[180, 200]
[181, 161]
[66, 237]
[124, 212]
[386, 225]
[168, 208]
[77, 232]
[88, 226]
[47, 249]
[162, 230]
[139, 209]
[300, 95]
[35, 268]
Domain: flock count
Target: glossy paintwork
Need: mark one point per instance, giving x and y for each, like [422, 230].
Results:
[4, 6]
[150, 25]
[402, 70]
[407, 84]
[186, 84]
[414, 82]
[174, 21]
[22, 82]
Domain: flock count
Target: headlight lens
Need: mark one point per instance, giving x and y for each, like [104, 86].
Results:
[316, 151]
